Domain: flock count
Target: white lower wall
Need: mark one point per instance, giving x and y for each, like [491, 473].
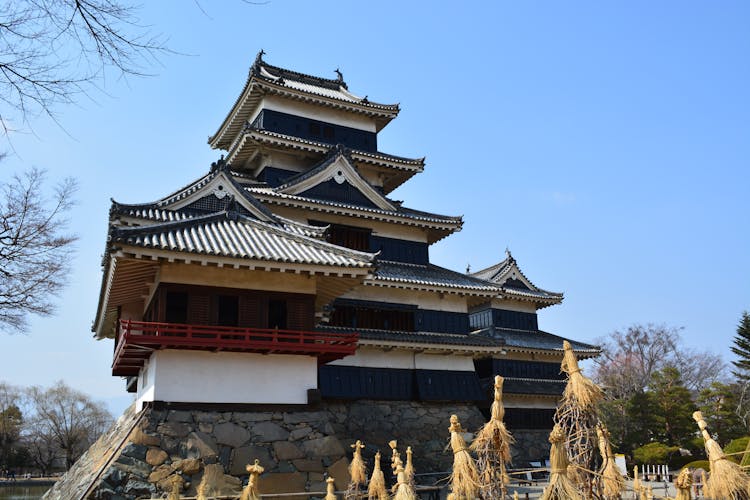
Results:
[226, 377]
[379, 358]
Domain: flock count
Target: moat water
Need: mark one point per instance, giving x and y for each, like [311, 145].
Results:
[22, 492]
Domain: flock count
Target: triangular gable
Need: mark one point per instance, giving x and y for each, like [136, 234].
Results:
[507, 274]
[336, 170]
[217, 190]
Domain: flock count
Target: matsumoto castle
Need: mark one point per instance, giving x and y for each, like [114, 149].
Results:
[286, 279]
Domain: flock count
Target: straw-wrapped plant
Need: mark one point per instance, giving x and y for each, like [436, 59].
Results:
[251, 491]
[464, 480]
[682, 484]
[330, 489]
[404, 490]
[376, 490]
[176, 482]
[409, 467]
[577, 416]
[613, 483]
[636, 482]
[492, 446]
[357, 473]
[726, 480]
[560, 487]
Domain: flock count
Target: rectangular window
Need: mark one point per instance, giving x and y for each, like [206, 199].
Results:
[314, 129]
[228, 310]
[328, 132]
[176, 307]
[277, 314]
[377, 319]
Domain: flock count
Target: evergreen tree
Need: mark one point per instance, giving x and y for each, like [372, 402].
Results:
[673, 407]
[741, 348]
[719, 404]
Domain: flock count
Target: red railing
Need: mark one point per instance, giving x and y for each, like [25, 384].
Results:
[138, 339]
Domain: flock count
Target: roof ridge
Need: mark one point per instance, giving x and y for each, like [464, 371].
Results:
[260, 64]
[375, 154]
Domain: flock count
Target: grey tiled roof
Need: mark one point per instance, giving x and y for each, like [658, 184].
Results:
[402, 212]
[233, 235]
[325, 87]
[418, 337]
[533, 386]
[357, 154]
[430, 275]
[537, 339]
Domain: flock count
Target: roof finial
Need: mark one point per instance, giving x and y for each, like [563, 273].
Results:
[340, 75]
[468, 268]
[508, 254]
[255, 68]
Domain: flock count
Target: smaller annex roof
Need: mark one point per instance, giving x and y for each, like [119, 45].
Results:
[514, 284]
[536, 340]
[430, 276]
[264, 79]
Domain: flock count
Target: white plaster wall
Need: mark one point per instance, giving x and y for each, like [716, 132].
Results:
[514, 305]
[425, 300]
[438, 362]
[315, 112]
[511, 401]
[227, 377]
[145, 384]
[379, 358]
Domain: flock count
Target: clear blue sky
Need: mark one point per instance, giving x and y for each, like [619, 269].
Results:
[606, 143]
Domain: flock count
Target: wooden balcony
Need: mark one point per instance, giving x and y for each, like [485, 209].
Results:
[138, 339]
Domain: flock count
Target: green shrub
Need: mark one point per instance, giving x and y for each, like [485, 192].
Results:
[699, 464]
[736, 446]
[654, 453]
[678, 461]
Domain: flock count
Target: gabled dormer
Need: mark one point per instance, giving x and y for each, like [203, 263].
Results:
[336, 179]
[514, 284]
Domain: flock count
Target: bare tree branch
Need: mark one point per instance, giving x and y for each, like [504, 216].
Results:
[34, 250]
[53, 51]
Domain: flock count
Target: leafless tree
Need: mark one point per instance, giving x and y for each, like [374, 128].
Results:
[66, 420]
[630, 357]
[52, 51]
[34, 249]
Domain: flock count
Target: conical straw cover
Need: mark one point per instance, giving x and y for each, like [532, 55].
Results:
[330, 489]
[582, 389]
[409, 467]
[682, 484]
[357, 469]
[251, 491]
[636, 479]
[464, 480]
[377, 489]
[404, 490]
[611, 477]
[726, 480]
[560, 486]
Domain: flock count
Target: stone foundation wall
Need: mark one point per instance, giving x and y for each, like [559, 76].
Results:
[530, 446]
[296, 448]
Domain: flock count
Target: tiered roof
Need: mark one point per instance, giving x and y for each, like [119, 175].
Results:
[265, 79]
